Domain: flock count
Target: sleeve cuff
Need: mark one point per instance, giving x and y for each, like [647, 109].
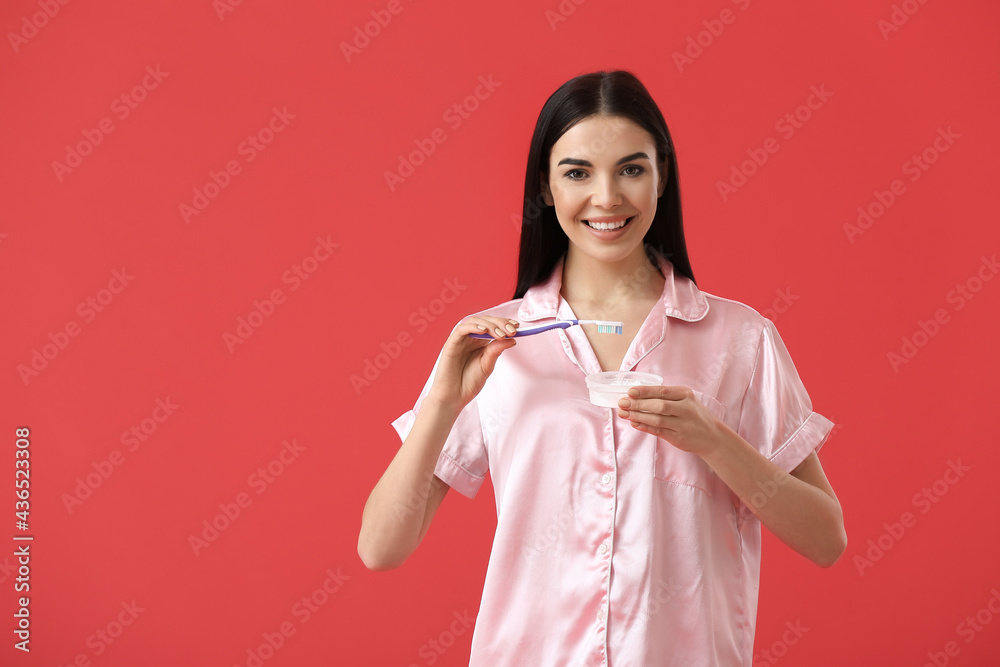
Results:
[809, 437]
[447, 469]
[451, 473]
[403, 424]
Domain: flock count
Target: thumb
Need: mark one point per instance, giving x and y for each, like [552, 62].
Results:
[492, 353]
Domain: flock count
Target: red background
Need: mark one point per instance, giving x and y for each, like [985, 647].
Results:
[323, 175]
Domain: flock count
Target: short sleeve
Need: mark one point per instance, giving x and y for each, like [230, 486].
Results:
[463, 462]
[776, 415]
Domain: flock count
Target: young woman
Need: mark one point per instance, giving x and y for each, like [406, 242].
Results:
[626, 536]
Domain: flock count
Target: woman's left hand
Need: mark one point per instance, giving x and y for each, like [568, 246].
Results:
[674, 414]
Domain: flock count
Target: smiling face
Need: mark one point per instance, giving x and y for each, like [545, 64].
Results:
[603, 172]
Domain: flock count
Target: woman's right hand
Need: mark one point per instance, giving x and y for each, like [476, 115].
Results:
[467, 362]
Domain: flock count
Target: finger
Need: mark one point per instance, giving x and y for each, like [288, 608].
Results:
[505, 325]
[636, 392]
[667, 392]
[652, 430]
[492, 353]
[476, 327]
[498, 327]
[492, 326]
[654, 406]
[649, 421]
[636, 419]
[632, 402]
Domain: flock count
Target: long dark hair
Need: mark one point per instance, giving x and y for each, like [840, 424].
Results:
[611, 93]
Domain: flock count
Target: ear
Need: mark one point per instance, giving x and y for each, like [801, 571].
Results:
[546, 192]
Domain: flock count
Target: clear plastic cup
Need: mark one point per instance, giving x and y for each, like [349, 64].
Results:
[607, 388]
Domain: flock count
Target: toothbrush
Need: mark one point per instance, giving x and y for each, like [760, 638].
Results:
[603, 326]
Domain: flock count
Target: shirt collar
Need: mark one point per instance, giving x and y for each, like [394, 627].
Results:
[681, 298]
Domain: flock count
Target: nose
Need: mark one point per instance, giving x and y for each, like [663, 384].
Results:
[605, 193]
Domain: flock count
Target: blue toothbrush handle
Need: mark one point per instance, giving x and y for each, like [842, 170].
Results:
[529, 332]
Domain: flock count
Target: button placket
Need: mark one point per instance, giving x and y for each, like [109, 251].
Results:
[604, 549]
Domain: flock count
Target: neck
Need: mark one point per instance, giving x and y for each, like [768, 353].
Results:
[610, 285]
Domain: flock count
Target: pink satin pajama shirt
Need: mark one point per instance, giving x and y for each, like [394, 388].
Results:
[612, 546]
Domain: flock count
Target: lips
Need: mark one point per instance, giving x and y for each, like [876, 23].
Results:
[605, 220]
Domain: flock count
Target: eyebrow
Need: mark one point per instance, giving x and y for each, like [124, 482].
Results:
[584, 163]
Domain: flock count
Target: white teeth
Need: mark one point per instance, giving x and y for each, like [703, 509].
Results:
[607, 226]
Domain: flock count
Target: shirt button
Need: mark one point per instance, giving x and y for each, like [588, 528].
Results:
[600, 614]
[603, 549]
[607, 478]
